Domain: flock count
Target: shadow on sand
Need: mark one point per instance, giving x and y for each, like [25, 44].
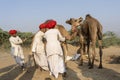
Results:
[28, 75]
[13, 71]
[6, 69]
[99, 74]
[10, 73]
[71, 75]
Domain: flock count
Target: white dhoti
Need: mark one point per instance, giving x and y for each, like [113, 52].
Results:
[41, 60]
[39, 51]
[56, 65]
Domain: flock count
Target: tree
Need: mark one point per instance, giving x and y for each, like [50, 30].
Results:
[110, 39]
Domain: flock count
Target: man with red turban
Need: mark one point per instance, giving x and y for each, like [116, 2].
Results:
[16, 49]
[38, 48]
[53, 49]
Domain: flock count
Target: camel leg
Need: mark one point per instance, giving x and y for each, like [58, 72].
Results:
[100, 53]
[100, 48]
[88, 52]
[65, 51]
[81, 58]
[93, 54]
[84, 49]
[81, 52]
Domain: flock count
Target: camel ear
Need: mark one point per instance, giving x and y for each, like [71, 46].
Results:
[68, 21]
[80, 19]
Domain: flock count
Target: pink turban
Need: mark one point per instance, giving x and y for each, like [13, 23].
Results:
[11, 32]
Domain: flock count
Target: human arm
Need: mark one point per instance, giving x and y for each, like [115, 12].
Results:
[60, 37]
[34, 45]
[15, 40]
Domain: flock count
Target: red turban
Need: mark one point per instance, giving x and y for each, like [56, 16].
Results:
[51, 24]
[43, 25]
[12, 32]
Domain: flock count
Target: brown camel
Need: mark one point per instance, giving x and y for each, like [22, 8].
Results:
[90, 31]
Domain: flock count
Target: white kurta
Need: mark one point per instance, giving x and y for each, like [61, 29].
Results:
[54, 51]
[39, 51]
[16, 49]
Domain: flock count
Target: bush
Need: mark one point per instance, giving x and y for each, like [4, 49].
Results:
[110, 39]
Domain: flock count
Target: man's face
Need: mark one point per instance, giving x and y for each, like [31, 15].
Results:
[43, 30]
[14, 35]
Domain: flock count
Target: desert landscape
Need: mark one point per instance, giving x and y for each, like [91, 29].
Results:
[83, 24]
[111, 71]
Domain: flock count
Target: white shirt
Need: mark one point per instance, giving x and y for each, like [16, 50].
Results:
[15, 41]
[53, 45]
[16, 48]
[38, 45]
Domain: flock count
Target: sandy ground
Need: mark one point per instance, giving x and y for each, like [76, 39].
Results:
[111, 71]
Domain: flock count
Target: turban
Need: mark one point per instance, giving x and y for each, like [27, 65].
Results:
[51, 24]
[12, 32]
[43, 25]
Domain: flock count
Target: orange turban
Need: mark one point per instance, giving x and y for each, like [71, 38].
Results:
[43, 25]
[11, 32]
[51, 24]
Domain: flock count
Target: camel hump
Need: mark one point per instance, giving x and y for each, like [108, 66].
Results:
[62, 30]
[88, 15]
[90, 18]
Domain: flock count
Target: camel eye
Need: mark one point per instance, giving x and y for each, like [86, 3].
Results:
[75, 20]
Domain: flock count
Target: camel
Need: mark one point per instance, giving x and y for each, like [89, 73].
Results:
[90, 31]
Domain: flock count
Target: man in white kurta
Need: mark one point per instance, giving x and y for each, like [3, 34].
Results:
[39, 51]
[16, 49]
[54, 52]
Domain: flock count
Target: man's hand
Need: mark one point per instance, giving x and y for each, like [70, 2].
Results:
[24, 39]
[33, 53]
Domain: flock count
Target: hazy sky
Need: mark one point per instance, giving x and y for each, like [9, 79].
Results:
[26, 15]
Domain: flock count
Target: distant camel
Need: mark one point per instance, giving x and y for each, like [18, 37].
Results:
[90, 31]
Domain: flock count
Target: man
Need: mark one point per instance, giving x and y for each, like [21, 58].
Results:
[38, 48]
[53, 49]
[16, 49]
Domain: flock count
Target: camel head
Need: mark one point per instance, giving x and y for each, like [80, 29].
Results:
[74, 23]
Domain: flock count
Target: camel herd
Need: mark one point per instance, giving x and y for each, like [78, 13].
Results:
[89, 32]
